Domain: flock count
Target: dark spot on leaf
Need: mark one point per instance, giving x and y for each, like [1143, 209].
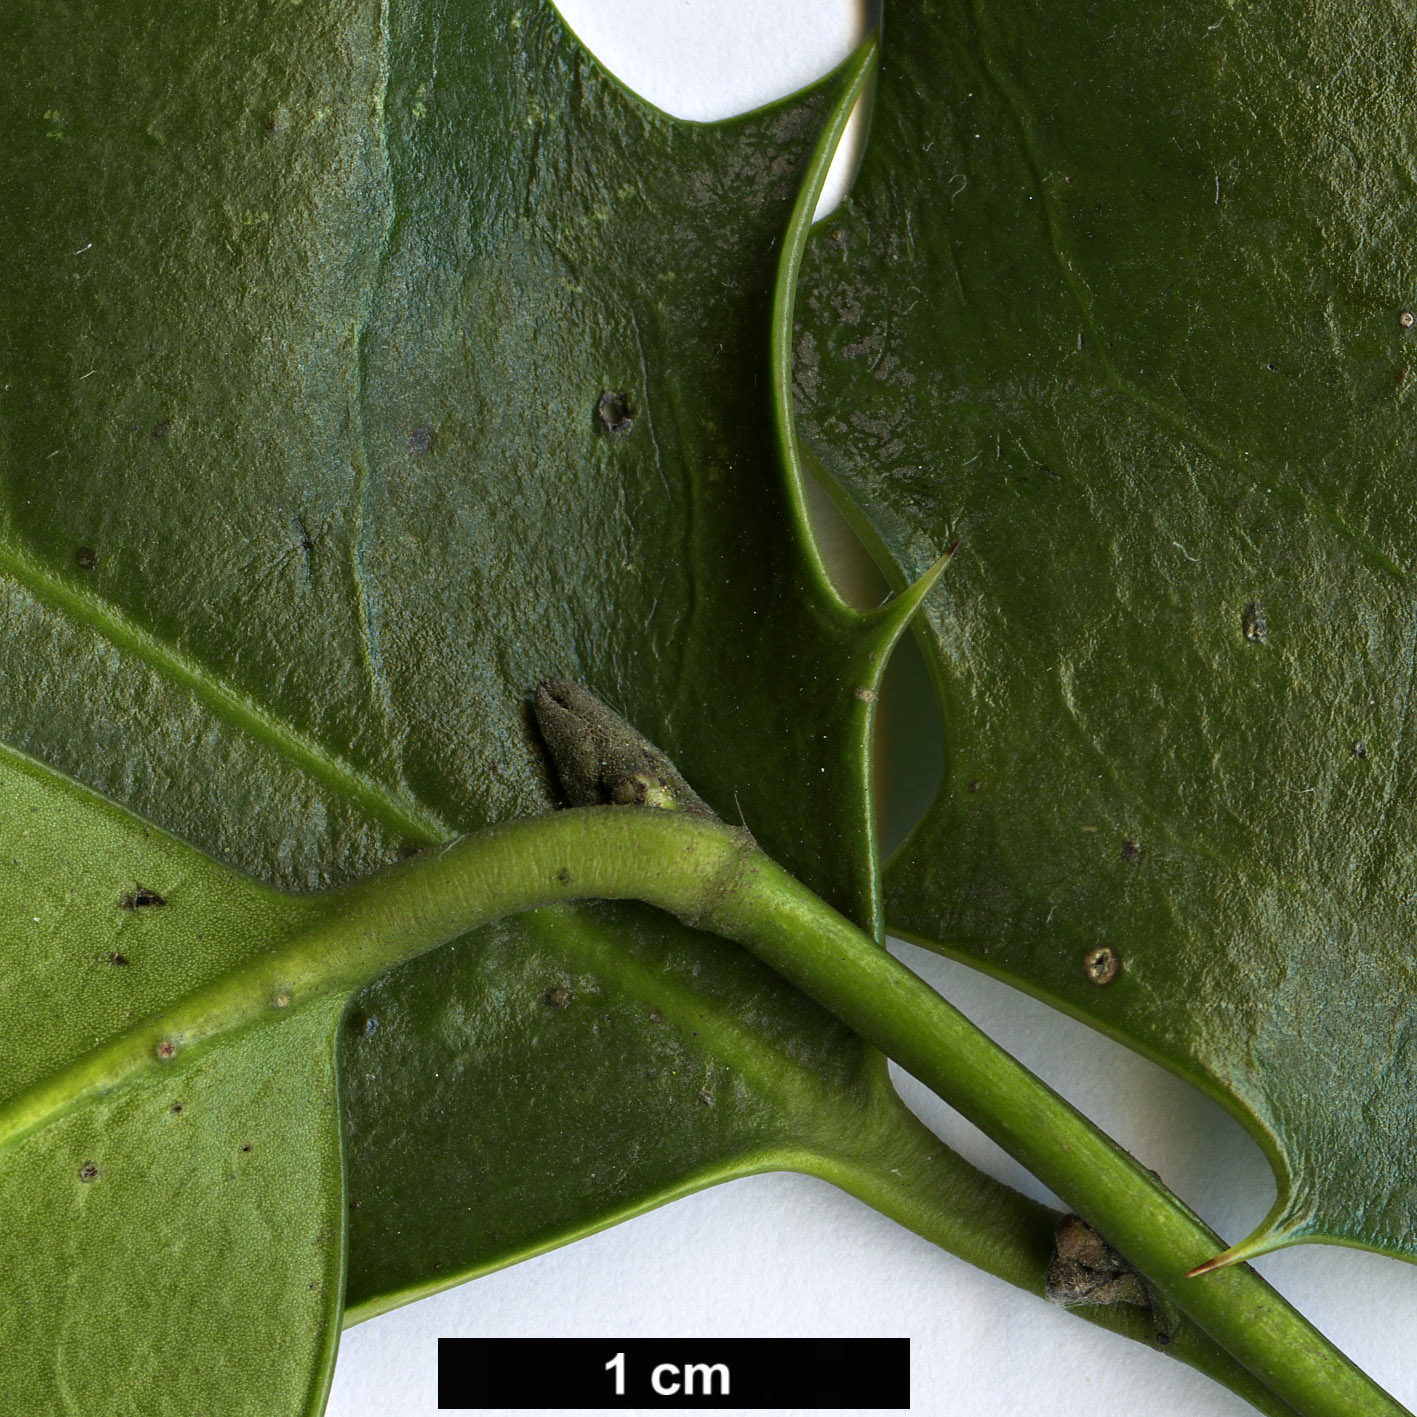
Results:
[616, 413]
[166, 1050]
[356, 1205]
[564, 876]
[655, 1016]
[556, 998]
[1252, 622]
[246, 1146]
[706, 1097]
[86, 557]
[976, 785]
[420, 439]
[176, 1109]
[307, 542]
[117, 960]
[161, 430]
[88, 1172]
[140, 898]
[1360, 749]
[409, 849]
[1131, 851]
[1101, 965]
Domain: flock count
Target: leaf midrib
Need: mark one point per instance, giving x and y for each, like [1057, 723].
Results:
[400, 811]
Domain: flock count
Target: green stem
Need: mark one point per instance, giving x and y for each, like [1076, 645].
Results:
[907, 1173]
[714, 877]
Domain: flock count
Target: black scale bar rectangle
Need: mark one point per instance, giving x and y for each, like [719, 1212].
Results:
[766, 1373]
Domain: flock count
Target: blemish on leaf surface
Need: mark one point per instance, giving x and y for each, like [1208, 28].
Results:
[616, 413]
[140, 898]
[1101, 965]
[1252, 622]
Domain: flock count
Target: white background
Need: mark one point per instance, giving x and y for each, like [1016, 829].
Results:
[787, 1256]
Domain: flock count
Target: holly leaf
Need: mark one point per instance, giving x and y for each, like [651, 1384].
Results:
[373, 365]
[174, 1225]
[1121, 305]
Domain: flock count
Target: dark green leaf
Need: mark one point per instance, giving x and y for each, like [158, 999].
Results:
[373, 364]
[1120, 305]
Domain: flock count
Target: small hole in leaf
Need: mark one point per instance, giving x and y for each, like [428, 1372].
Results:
[117, 960]
[88, 1172]
[176, 1109]
[86, 557]
[615, 412]
[1131, 851]
[245, 1146]
[140, 898]
[1360, 749]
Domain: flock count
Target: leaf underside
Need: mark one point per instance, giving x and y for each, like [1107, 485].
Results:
[371, 364]
[177, 1245]
[1118, 304]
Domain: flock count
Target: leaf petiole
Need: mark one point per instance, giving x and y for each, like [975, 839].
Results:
[715, 877]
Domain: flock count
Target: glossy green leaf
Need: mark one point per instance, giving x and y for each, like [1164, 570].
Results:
[1119, 304]
[177, 1244]
[374, 364]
